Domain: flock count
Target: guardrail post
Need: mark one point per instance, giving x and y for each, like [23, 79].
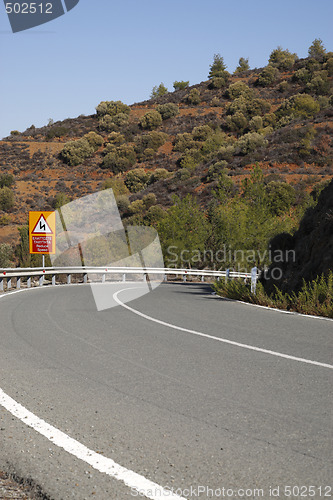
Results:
[18, 283]
[53, 280]
[144, 277]
[165, 278]
[41, 280]
[85, 278]
[103, 278]
[9, 283]
[1, 284]
[202, 278]
[124, 278]
[69, 279]
[29, 282]
[184, 278]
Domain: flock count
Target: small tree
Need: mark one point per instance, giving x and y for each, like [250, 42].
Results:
[168, 110]
[282, 59]
[268, 76]
[6, 199]
[95, 140]
[75, 152]
[243, 65]
[6, 255]
[151, 120]
[194, 97]
[158, 90]
[218, 68]
[317, 50]
[137, 179]
[6, 180]
[112, 108]
[181, 85]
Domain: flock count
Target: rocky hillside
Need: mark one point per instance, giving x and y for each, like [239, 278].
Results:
[280, 117]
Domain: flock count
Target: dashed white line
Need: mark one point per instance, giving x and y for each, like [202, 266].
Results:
[219, 339]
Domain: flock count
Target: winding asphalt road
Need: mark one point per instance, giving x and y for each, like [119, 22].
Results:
[188, 407]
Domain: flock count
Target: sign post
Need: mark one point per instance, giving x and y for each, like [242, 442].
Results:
[42, 233]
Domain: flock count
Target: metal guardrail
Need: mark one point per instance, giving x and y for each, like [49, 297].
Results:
[6, 275]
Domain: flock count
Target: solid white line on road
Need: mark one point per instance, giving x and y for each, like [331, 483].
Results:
[212, 337]
[140, 484]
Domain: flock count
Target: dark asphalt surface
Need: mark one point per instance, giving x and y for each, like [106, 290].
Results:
[180, 410]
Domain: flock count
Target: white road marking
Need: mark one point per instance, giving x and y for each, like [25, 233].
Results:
[135, 481]
[212, 337]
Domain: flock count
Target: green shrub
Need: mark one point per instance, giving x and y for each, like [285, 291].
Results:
[215, 102]
[282, 59]
[123, 203]
[136, 207]
[15, 132]
[283, 86]
[249, 107]
[6, 180]
[5, 220]
[159, 90]
[154, 215]
[58, 131]
[299, 105]
[117, 185]
[239, 89]
[268, 76]
[250, 142]
[116, 138]
[183, 142]
[75, 152]
[149, 200]
[151, 120]
[317, 50]
[183, 174]
[121, 119]
[301, 75]
[153, 140]
[194, 97]
[243, 65]
[216, 169]
[188, 162]
[112, 108]
[319, 84]
[180, 85]
[148, 154]
[168, 110]
[158, 175]
[6, 199]
[217, 82]
[59, 200]
[328, 66]
[94, 140]
[137, 179]
[106, 123]
[236, 122]
[269, 120]
[201, 133]
[6, 255]
[256, 123]
[120, 158]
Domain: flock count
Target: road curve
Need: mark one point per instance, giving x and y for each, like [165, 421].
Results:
[207, 409]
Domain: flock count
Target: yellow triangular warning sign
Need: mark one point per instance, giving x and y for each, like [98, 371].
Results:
[42, 226]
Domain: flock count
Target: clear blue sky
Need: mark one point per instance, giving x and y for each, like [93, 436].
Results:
[107, 50]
